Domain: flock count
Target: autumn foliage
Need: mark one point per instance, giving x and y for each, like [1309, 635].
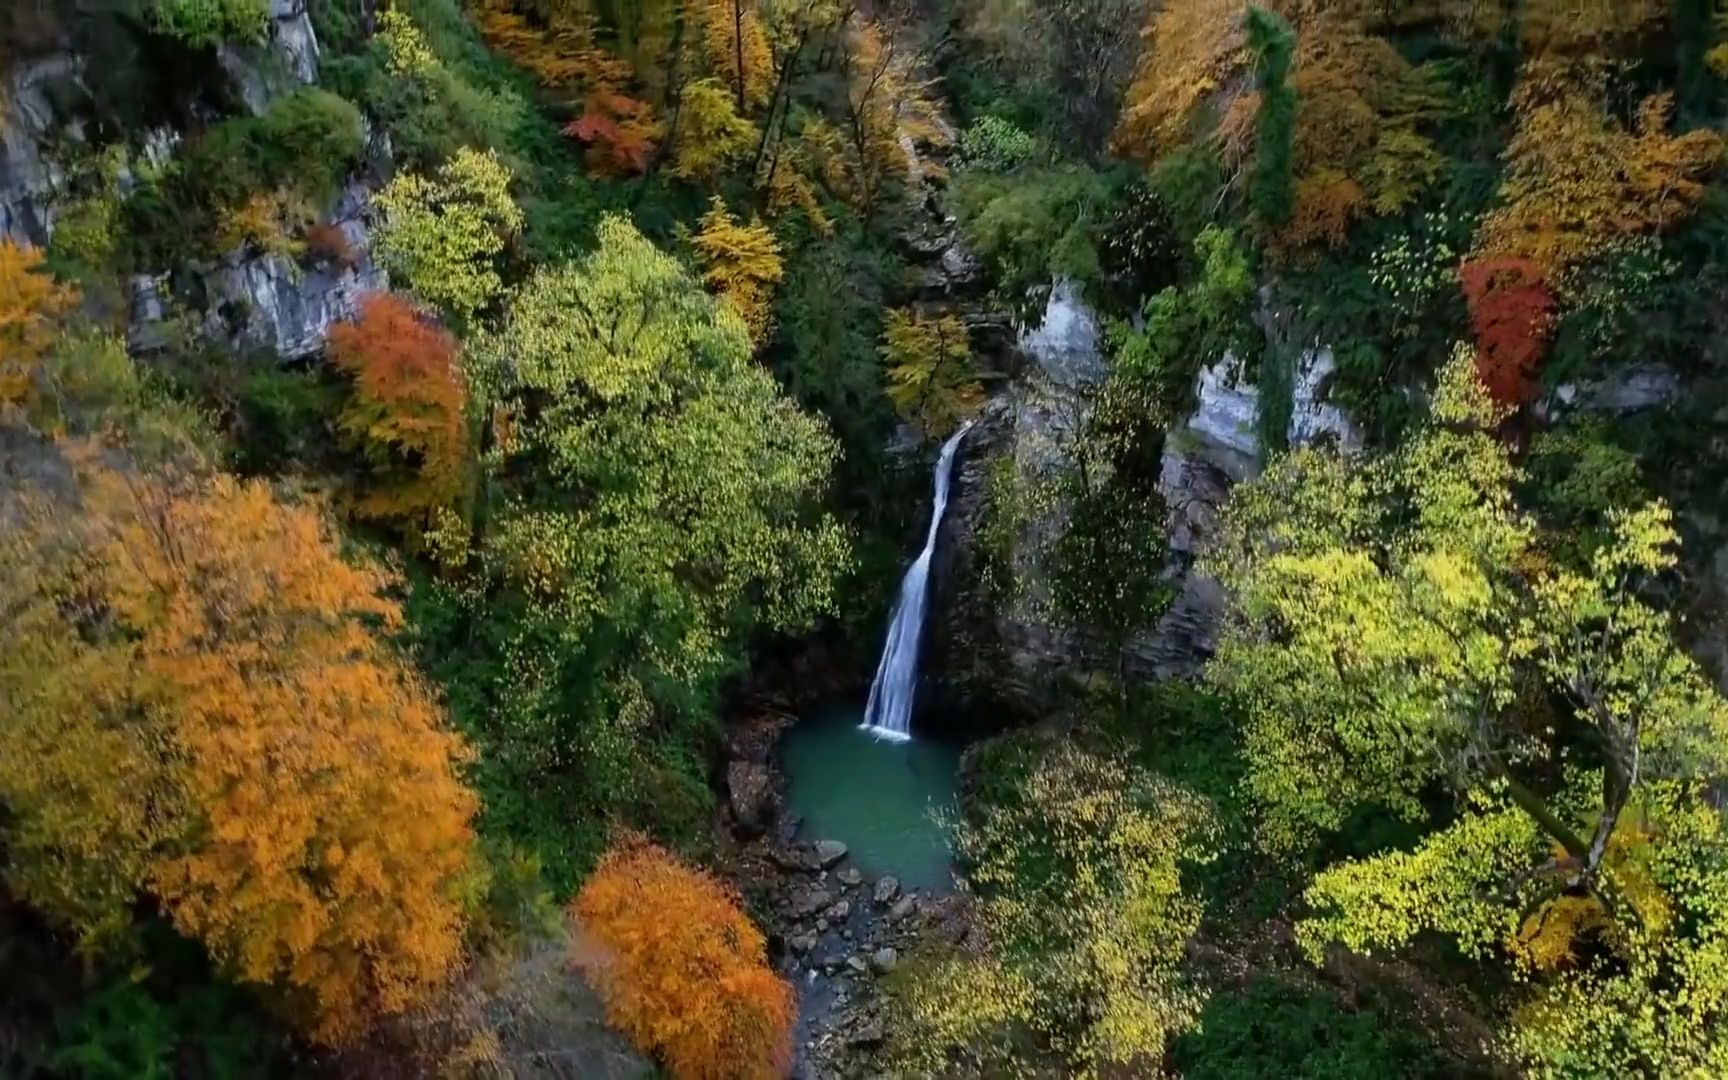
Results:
[199, 707]
[31, 302]
[1512, 315]
[742, 263]
[407, 412]
[683, 971]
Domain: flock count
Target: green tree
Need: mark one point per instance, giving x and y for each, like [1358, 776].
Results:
[657, 501]
[1079, 875]
[1394, 628]
[444, 233]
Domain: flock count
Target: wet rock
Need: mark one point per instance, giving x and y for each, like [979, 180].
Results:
[902, 909]
[821, 926]
[808, 901]
[867, 1034]
[797, 858]
[885, 959]
[887, 889]
[750, 789]
[858, 964]
[840, 911]
[829, 852]
[850, 877]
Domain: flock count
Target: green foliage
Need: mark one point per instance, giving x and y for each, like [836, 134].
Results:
[830, 316]
[305, 145]
[1107, 570]
[1140, 249]
[1393, 627]
[444, 233]
[205, 23]
[1082, 901]
[656, 503]
[1277, 1030]
[1034, 225]
[1192, 182]
[1192, 325]
[1272, 188]
[993, 144]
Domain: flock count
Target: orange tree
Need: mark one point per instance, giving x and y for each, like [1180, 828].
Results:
[682, 969]
[199, 706]
[407, 413]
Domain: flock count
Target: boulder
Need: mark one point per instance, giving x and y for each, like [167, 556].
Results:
[801, 943]
[839, 912]
[808, 901]
[828, 852]
[885, 959]
[850, 877]
[858, 964]
[887, 888]
[795, 858]
[902, 908]
[750, 790]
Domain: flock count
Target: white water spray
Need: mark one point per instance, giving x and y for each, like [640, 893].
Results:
[889, 713]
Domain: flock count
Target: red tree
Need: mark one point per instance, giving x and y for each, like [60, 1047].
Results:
[407, 413]
[1512, 317]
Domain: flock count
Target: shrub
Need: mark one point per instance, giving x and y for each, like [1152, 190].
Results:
[207, 23]
[993, 144]
[683, 972]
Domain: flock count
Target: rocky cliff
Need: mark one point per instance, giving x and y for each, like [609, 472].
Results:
[259, 304]
[1012, 650]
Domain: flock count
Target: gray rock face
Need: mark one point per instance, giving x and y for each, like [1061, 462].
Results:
[269, 303]
[1628, 390]
[750, 792]
[1065, 345]
[39, 102]
[287, 59]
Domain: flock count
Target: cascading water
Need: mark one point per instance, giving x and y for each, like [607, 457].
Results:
[889, 713]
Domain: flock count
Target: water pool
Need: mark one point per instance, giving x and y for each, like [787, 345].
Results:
[877, 797]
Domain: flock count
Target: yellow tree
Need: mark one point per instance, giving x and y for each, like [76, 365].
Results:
[1190, 49]
[737, 50]
[1396, 625]
[711, 136]
[200, 706]
[31, 304]
[741, 263]
[931, 379]
[889, 106]
[1086, 925]
[1576, 181]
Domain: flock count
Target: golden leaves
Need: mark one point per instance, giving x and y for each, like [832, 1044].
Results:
[682, 969]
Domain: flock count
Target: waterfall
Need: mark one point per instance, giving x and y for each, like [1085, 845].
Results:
[889, 714]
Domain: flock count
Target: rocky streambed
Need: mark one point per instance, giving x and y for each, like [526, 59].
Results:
[838, 928]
